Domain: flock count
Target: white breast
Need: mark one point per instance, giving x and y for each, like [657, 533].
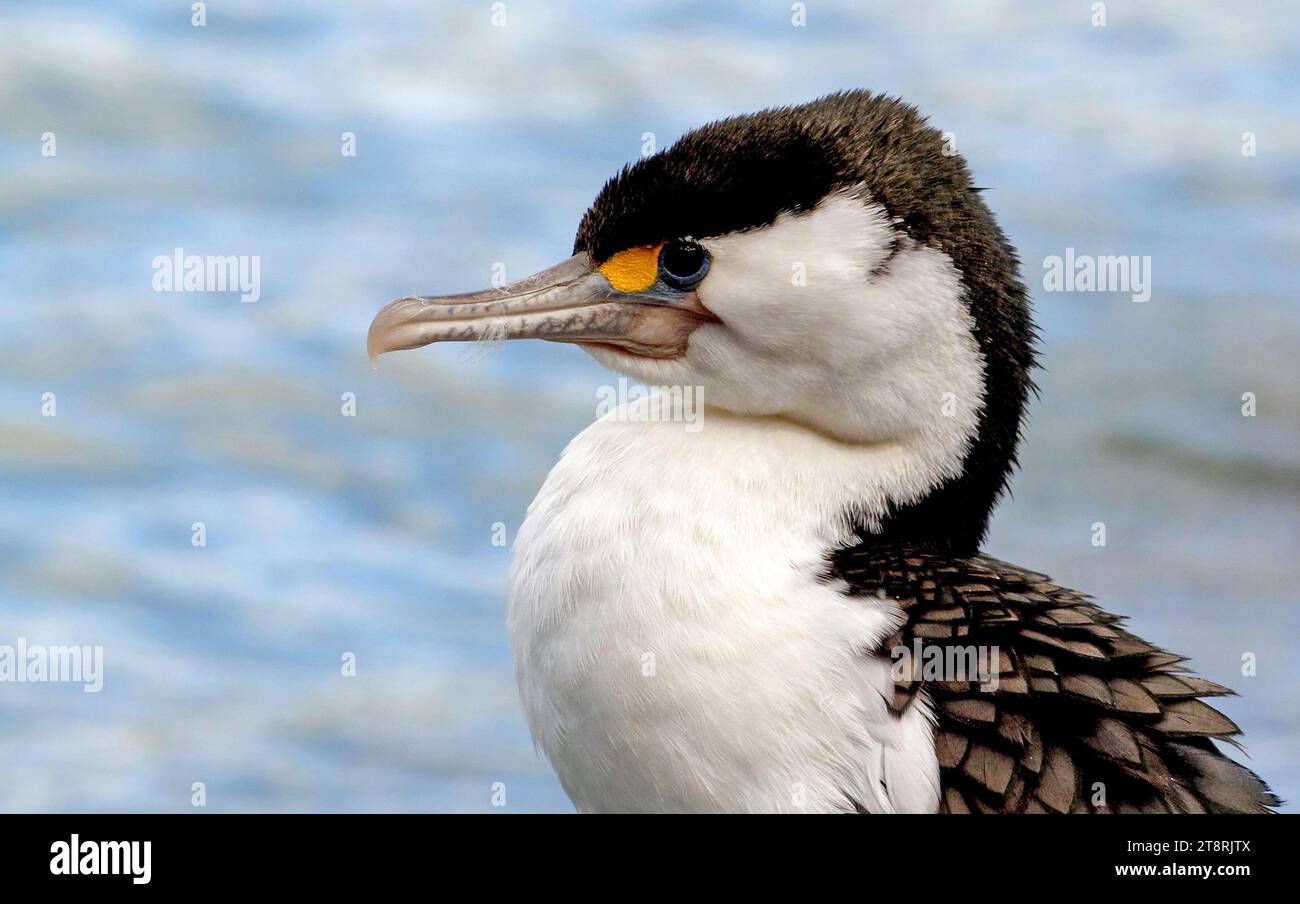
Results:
[676, 643]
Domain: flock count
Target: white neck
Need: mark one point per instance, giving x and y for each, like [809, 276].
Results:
[677, 644]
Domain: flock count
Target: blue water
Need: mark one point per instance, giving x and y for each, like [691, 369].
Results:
[479, 145]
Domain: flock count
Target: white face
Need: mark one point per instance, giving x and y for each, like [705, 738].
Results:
[810, 331]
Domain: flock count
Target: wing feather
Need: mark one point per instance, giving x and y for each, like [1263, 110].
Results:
[1075, 715]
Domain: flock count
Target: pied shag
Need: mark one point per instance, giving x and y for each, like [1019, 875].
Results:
[714, 619]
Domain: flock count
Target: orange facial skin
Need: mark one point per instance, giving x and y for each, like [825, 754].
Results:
[633, 270]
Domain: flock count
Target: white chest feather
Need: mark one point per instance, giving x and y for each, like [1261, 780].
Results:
[677, 646]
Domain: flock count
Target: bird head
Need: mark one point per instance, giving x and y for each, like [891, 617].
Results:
[830, 264]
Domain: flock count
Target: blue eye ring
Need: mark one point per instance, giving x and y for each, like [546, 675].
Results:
[683, 264]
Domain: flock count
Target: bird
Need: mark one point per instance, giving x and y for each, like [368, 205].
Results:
[778, 602]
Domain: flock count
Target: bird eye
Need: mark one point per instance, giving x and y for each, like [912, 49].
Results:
[683, 264]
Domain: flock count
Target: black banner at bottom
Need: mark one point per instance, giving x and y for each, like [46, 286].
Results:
[332, 853]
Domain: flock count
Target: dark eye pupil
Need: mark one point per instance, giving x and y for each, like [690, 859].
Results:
[683, 264]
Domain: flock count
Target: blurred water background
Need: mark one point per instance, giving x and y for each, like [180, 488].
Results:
[478, 144]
